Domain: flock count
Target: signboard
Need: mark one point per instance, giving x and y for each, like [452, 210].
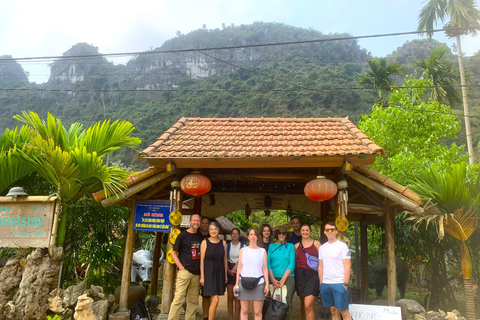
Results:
[152, 216]
[26, 221]
[369, 312]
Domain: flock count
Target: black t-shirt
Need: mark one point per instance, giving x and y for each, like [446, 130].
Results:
[187, 246]
[294, 238]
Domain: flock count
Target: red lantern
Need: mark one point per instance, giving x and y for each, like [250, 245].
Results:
[320, 189]
[195, 184]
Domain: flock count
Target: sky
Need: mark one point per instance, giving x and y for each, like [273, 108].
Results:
[49, 28]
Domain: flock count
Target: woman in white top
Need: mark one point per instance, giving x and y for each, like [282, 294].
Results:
[233, 251]
[252, 263]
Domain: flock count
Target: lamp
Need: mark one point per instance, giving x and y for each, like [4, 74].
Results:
[16, 192]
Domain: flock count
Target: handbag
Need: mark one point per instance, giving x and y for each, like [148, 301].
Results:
[274, 309]
[249, 283]
[312, 261]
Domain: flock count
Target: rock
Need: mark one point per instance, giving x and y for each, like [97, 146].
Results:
[432, 315]
[457, 313]
[111, 304]
[451, 316]
[31, 299]
[380, 302]
[83, 310]
[57, 292]
[417, 316]
[100, 309]
[10, 278]
[443, 313]
[96, 293]
[67, 314]
[410, 308]
[72, 293]
[55, 305]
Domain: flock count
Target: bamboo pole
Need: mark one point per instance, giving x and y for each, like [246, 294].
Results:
[137, 188]
[169, 276]
[391, 261]
[398, 198]
[127, 261]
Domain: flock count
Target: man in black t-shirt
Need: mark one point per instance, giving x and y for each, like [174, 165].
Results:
[295, 237]
[186, 255]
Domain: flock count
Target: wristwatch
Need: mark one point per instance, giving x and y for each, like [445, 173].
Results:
[345, 284]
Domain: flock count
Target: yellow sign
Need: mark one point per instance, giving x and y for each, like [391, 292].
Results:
[176, 218]
[342, 224]
[173, 235]
[169, 256]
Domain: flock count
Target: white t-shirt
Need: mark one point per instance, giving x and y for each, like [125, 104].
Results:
[332, 255]
[252, 263]
[234, 252]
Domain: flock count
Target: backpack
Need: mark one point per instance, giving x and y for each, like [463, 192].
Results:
[139, 311]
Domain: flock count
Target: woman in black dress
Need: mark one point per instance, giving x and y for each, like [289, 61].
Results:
[213, 263]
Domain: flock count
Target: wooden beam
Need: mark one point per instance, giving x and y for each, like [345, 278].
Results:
[400, 199]
[264, 162]
[368, 195]
[156, 188]
[127, 261]
[366, 209]
[137, 188]
[391, 263]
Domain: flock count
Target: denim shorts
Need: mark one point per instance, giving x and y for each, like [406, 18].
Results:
[334, 295]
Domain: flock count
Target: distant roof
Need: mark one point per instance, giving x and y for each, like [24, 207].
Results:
[261, 138]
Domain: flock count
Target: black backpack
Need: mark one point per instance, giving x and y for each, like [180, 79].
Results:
[139, 311]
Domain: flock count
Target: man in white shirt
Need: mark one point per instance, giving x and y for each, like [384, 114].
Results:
[334, 272]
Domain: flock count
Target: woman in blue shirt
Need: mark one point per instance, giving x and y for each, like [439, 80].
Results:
[281, 263]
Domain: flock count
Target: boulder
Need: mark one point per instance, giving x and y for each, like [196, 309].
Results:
[418, 317]
[83, 310]
[96, 293]
[409, 308]
[72, 293]
[451, 316]
[100, 309]
[432, 315]
[55, 305]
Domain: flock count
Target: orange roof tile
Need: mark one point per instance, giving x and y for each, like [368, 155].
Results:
[261, 137]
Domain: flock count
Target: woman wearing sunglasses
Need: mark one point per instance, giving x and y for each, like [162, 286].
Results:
[281, 264]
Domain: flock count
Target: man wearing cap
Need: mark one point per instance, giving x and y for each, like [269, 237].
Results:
[334, 269]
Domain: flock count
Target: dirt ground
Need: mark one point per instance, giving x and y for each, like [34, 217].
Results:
[222, 312]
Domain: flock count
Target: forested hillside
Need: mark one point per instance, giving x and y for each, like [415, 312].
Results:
[153, 90]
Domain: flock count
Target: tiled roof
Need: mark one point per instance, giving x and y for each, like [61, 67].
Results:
[261, 137]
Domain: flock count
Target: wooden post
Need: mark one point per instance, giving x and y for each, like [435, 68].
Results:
[364, 259]
[197, 205]
[127, 261]
[155, 264]
[168, 281]
[391, 264]
[169, 275]
[324, 213]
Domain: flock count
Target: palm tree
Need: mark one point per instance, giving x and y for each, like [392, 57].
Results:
[71, 160]
[452, 198]
[380, 73]
[444, 77]
[463, 14]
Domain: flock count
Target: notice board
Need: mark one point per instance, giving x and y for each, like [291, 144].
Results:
[152, 216]
[26, 221]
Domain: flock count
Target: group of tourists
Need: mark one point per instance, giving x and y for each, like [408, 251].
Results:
[261, 268]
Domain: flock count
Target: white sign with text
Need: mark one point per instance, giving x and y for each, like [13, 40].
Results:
[369, 312]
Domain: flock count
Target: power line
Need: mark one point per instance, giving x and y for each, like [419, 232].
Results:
[138, 53]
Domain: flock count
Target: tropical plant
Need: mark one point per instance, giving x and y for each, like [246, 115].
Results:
[380, 74]
[452, 196]
[443, 75]
[71, 160]
[464, 19]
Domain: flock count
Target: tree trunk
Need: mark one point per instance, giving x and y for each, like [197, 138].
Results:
[467, 282]
[471, 152]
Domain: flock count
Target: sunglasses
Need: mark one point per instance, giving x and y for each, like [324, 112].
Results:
[281, 233]
[330, 230]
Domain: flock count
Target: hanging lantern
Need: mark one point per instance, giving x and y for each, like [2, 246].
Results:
[248, 211]
[195, 184]
[320, 189]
